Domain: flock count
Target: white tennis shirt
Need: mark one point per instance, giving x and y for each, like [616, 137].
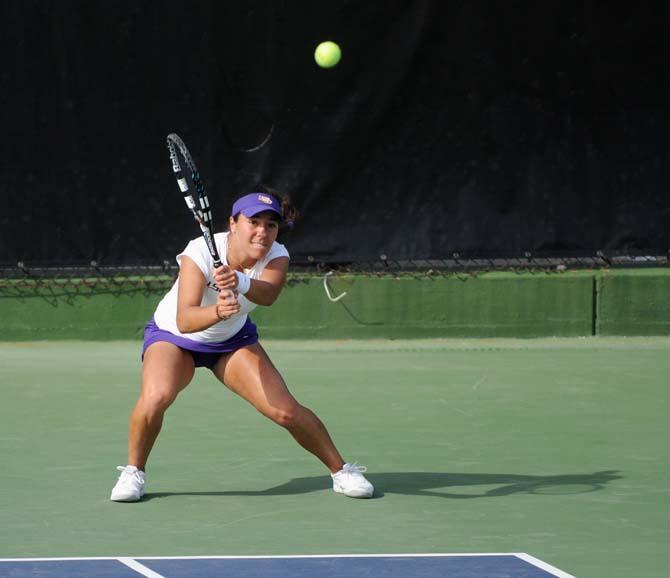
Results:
[165, 315]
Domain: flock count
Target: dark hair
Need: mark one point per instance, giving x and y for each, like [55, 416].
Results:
[289, 214]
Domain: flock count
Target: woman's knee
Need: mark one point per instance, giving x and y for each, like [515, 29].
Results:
[156, 400]
[287, 416]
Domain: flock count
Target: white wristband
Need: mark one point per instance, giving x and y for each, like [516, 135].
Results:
[243, 282]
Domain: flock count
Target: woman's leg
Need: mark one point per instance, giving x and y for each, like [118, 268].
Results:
[250, 373]
[165, 372]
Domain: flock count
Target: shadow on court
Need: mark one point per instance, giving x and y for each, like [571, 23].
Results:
[435, 484]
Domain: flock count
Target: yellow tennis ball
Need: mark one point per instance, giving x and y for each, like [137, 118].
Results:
[327, 54]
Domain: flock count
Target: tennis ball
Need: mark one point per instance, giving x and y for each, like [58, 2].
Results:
[327, 54]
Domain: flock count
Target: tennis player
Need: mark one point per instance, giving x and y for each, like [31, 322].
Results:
[204, 321]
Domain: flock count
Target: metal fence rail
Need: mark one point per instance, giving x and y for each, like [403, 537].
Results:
[23, 278]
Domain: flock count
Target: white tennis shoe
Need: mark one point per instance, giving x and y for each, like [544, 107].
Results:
[351, 482]
[130, 485]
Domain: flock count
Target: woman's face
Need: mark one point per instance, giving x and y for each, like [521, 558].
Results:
[255, 235]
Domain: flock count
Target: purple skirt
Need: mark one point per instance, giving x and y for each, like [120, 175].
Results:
[204, 354]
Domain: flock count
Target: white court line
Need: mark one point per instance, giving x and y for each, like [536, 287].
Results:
[141, 568]
[544, 566]
[264, 557]
[298, 556]
[132, 562]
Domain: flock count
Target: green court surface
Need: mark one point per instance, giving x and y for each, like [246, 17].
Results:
[554, 447]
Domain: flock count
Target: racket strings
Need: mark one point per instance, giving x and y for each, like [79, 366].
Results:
[203, 212]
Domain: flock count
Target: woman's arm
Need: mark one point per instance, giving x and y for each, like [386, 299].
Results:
[263, 291]
[191, 317]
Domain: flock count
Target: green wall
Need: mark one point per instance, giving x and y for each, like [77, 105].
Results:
[633, 302]
[496, 304]
[491, 304]
[74, 310]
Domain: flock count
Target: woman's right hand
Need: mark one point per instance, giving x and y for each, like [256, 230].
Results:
[227, 304]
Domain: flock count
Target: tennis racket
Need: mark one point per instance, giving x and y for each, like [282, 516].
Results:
[188, 181]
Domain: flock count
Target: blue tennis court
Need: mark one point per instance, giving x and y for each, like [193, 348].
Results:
[342, 566]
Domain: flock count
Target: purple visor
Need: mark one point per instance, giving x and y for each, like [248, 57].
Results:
[254, 203]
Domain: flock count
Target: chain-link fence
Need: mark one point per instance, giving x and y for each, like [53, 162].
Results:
[25, 279]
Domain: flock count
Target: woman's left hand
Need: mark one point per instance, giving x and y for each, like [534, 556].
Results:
[225, 278]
